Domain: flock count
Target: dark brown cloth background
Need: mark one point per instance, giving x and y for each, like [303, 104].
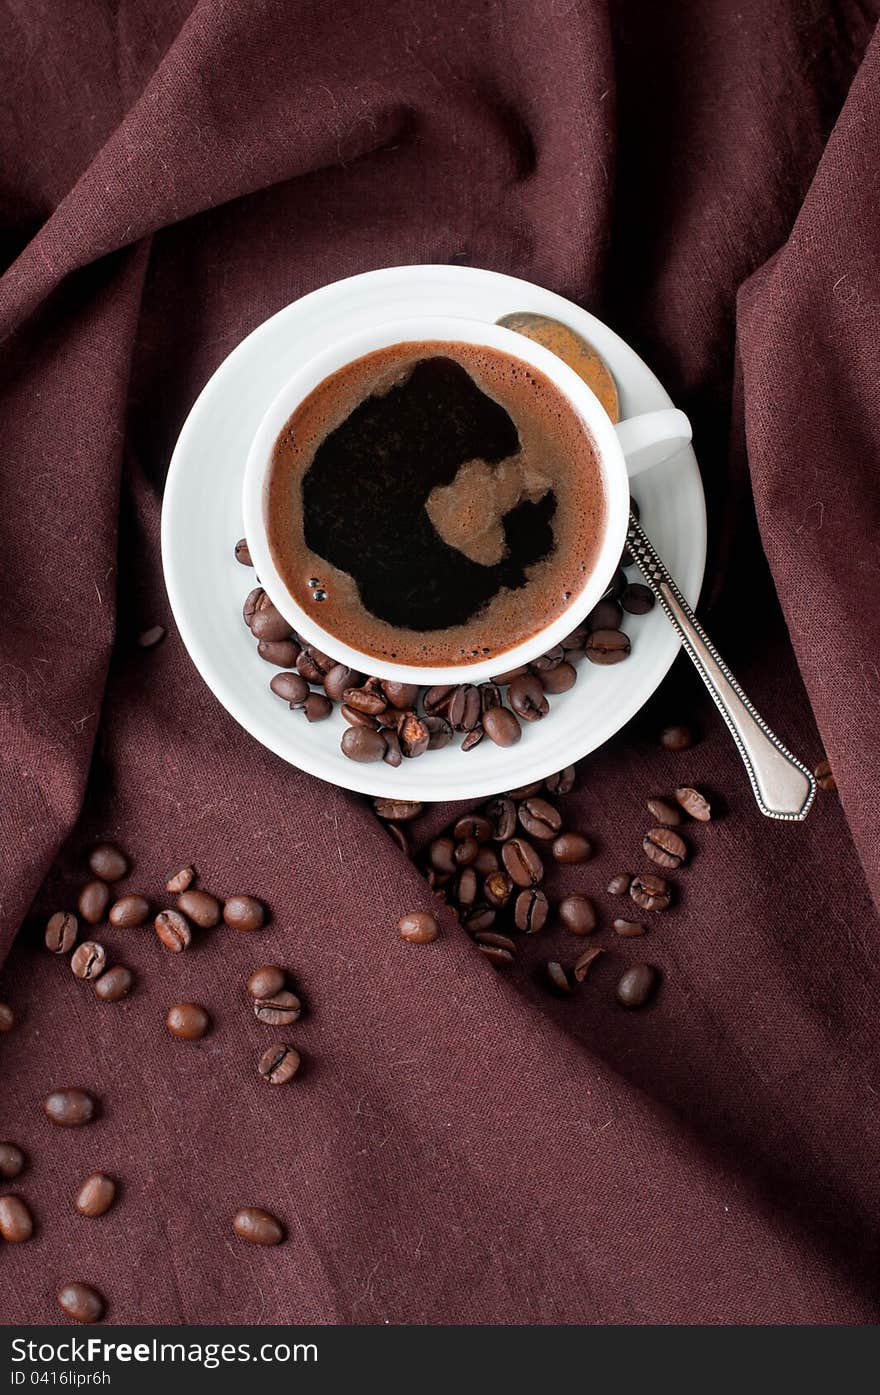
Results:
[460, 1148]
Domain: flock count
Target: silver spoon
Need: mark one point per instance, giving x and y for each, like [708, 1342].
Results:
[782, 785]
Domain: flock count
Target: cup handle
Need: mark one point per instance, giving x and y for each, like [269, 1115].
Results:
[652, 437]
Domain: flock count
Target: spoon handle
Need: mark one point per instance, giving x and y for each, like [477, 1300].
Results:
[783, 787]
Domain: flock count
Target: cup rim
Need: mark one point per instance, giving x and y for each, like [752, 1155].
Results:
[414, 329]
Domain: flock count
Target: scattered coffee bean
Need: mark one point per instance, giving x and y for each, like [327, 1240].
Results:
[249, 608]
[258, 1227]
[396, 831]
[825, 777]
[93, 901]
[501, 726]
[545, 662]
[279, 1064]
[557, 977]
[418, 927]
[148, 639]
[413, 735]
[628, 929]
[312, 665]
[577, 913]
[440, 733]
[559, 679]
[200, 907]
[282, 653]
[584, 964]
[244, 913]
[479, 918]
[525, 791]
[607, 615]
[365, 699]
[530, 911]
[466, 852]
[61, 932]
[290, 687]
[129, 912]
[114, 984]
[676, 738]
[615, 586]
[441, 855]
[266, 621]
[80, 1302]
[278, 1010]
[400, 695]
[435, 699]
[11, 1161]
[266, 981]
[317, 708]
[242, 553]
[363, 744]
[490, 696]
[95, 1195]
[181, 880]
[522, 862]
[398, 810]
[539, 819]
[637, 599]
[637, 985]
[466, 887]
[187, 1021]
[496, 941]
[7, 1018]
[607, 646]
[496, 954]
[562, 782]
[16, 1221]
[694, 803]
[464, 707]
[393, 755]
[498, 888]
[502, 679]
[526, 697]
[173, 930]
[88, 960]
[570, 848]
[501, 813]
[650, 893]
[69, 1109]
[107, 862]
[487, 861]
[665, 847]
[619, 884]
[665, 812]
[338, 679]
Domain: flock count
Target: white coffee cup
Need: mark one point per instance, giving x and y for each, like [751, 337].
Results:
[622, 451]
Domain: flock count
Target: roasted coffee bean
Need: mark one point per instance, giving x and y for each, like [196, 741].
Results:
[393, 755]
[577, 639]
[607, 646]
[650, 893]
[439, 732]
[562, 782]
[530, 911]
[436, 698]
[441, 854]
[665, 812]
[114, 984]
[149, 638]
[312, 665]
[95, 1195]
[557, 978]
[825, 777]
[88, 960]
[525, 791]
[291, 687]
[615, 586]
[173, 930]
[413, 735]
[466, 852]
[181, 880]
[249, 609]
[577, 913]
[487, 862]
[7, 1018]
[107, 862]
[539, 819]
[242, 553]
[570, 848]
[80, 1302]
[478, 918]
[129, 912]
[637, 599]
[607, 615]
[267, 622]
[69, 1109]
[472, 826]
[187, 1021]
[279, 1064]
[396, 831]
[637, 985]
[317, 708]
[93, 901]
[665, 847]
[359, 719]
[11, 1161]
[283, 653]
[201, 908]
[522, 862]
[466, 887]
[401, 695]
[473, 738]
[490, 696]
[258, 1227]
[584, 964]
[266, 981]
[437, 879]
[464, 707]
[61, 932]
[496, 954]
[16, 1221]
[244, 913]
[340, 678]
[418, 927]
[501, 813]
[526, 697]
[501, 726]
[694, 803]
[676, 738]
[498, 889]
[398, 810]
[278, 1010]
[619, 884]
[551, 659]
[559, 679]
[496, 941]
[628, 929]
[366, 700]
[502, 679]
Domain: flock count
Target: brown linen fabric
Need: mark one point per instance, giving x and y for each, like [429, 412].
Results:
[459, 1147]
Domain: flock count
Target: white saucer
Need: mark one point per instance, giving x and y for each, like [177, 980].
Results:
[201, 522]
